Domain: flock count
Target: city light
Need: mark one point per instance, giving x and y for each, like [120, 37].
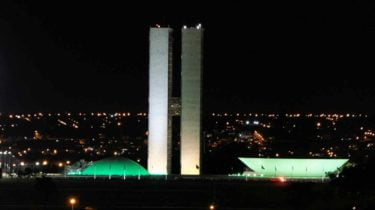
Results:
[72, 201]
[196, 105]
[250, 129]
[282, 179]
[211, 206]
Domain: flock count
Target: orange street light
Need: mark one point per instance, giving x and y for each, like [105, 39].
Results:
[211, 207]
[72, 202]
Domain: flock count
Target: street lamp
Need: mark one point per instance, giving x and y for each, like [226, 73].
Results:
[72, 201]
[211, 207]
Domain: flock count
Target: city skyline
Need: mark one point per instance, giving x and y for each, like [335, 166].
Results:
[55, 62]
[187, 105]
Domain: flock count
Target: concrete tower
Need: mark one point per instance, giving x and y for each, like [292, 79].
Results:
[191, 99]
[160, 91]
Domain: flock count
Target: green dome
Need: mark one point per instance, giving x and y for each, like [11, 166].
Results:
[111, 166]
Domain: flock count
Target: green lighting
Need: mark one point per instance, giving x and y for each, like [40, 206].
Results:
[111, 167]
[293, 168]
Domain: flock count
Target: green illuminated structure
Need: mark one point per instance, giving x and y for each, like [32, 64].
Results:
[110, 167]
[292, 168]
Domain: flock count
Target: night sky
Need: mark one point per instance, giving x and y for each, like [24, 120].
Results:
[269, 57]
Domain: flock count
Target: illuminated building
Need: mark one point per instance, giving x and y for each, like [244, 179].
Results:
[109, 167]
[293, 168]
[160, 90]
[162, 106]
[191, 99]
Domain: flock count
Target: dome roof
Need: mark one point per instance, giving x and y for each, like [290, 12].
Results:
[111, 166]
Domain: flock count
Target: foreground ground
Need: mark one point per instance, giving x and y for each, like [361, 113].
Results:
[171, 194]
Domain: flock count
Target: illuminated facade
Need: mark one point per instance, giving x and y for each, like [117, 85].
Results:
[160, 91]
[293, 168]
[162, 106]
[110, 167]
[191, 100]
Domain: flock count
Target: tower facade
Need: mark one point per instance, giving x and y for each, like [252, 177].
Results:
[160, 92]
[162, 106]
[191, 100]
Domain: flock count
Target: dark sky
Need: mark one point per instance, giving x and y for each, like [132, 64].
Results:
[272, 57]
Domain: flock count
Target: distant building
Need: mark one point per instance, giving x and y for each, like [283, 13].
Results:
[107, 167]
[160, 92]
[191, 100]
[293, 168]
[162, 106]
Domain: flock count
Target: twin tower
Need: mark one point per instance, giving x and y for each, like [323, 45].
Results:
[162, 105]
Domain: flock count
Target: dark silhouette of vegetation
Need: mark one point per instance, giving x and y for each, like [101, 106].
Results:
[46, 187]
[357, 181]
[225, 159]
